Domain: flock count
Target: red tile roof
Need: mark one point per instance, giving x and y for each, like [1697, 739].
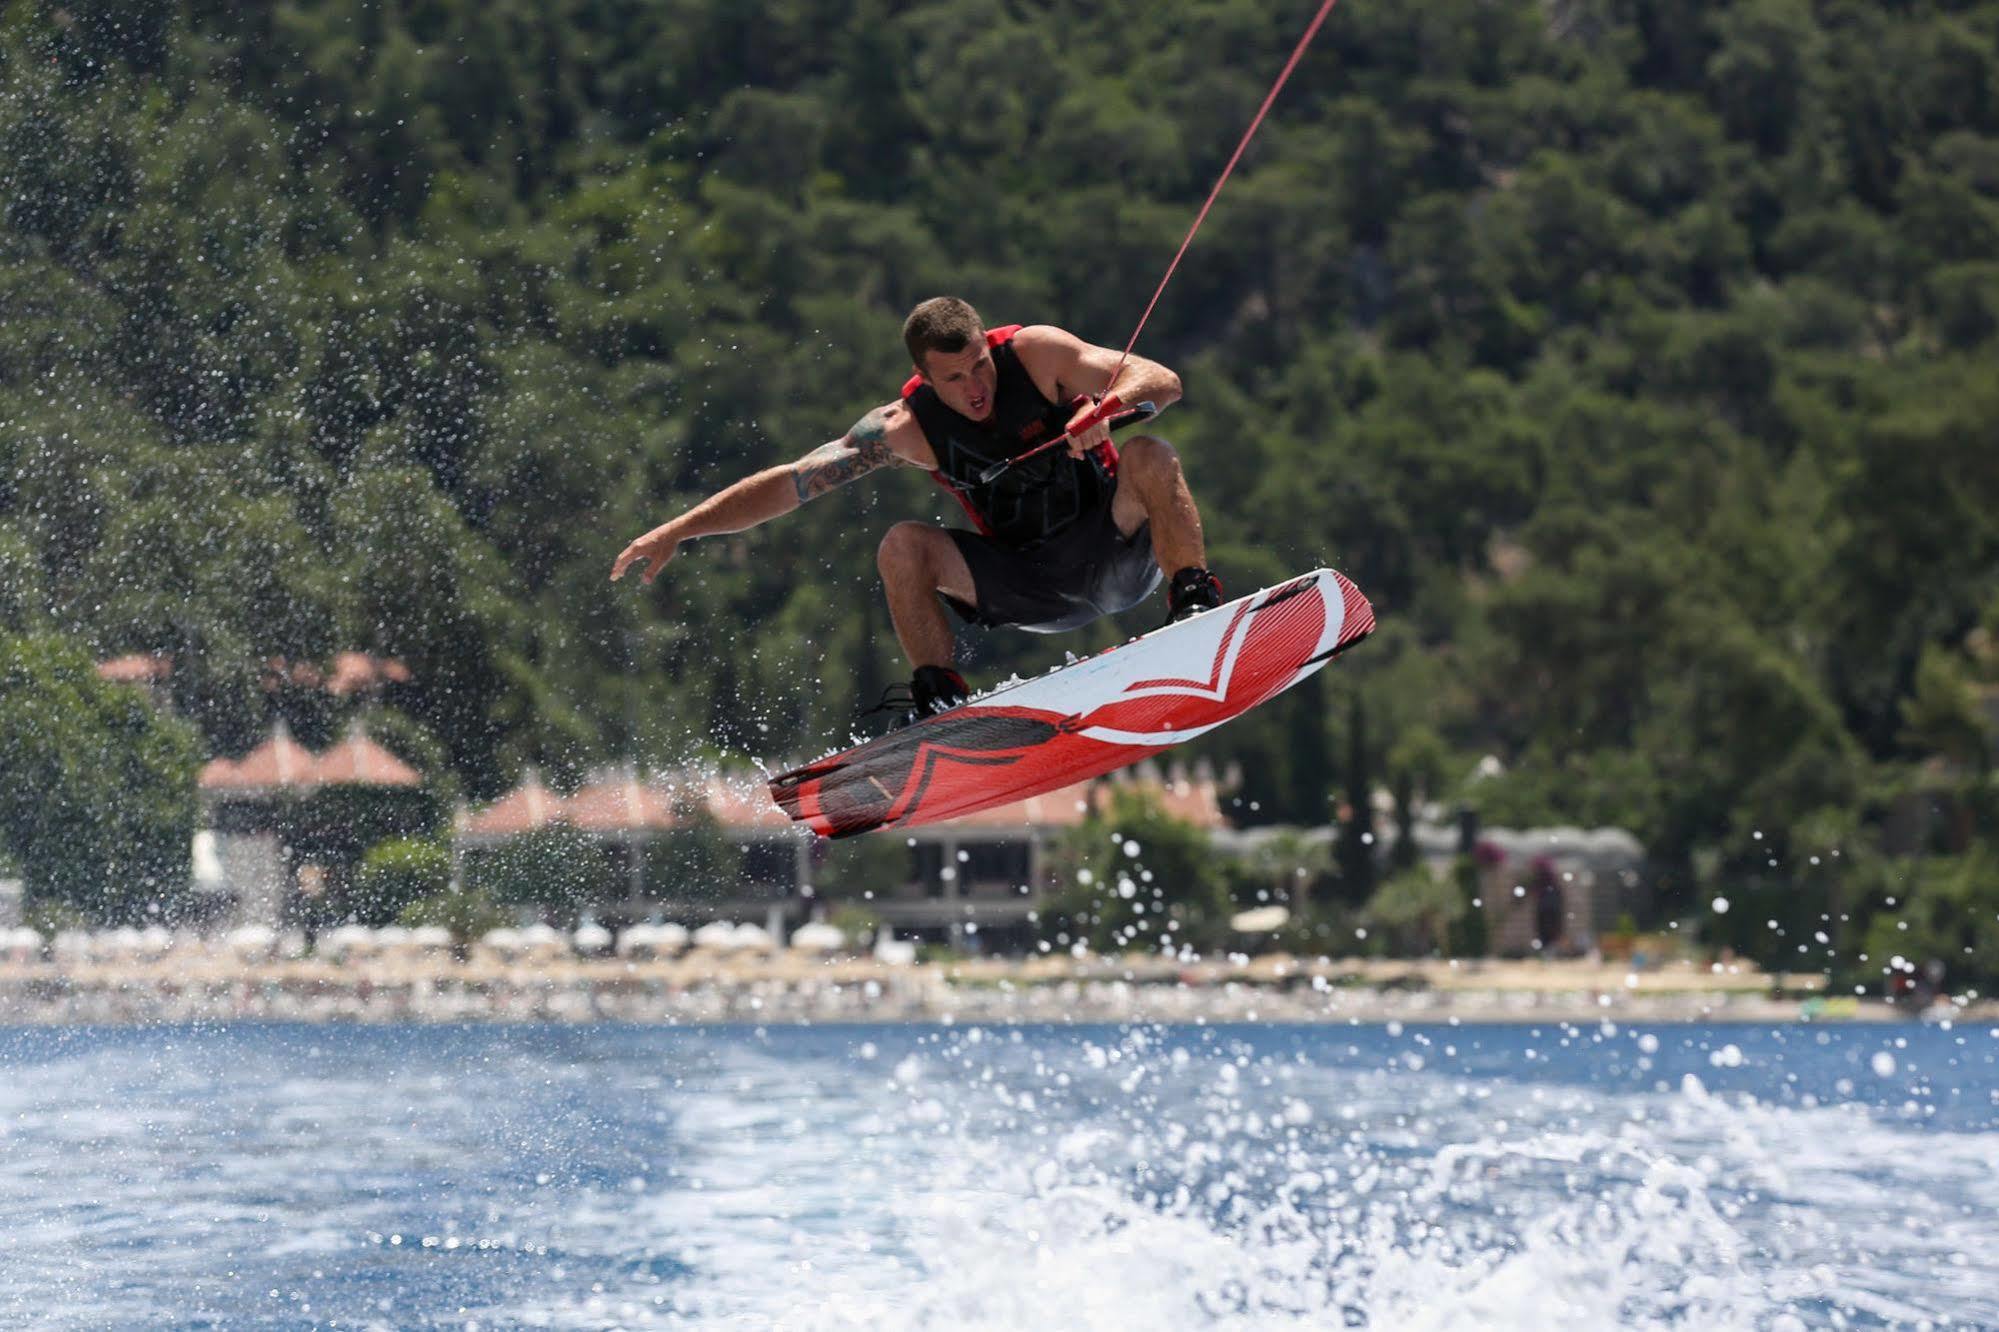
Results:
[616, 804]
[620, 804]
[354, 672]
[523, 809]
[282, 763]
[349, 673]
[138, 668]
[359, 761]
[1195, 802]
[743, 803]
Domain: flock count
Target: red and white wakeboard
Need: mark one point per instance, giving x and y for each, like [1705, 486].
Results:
[1084, 719]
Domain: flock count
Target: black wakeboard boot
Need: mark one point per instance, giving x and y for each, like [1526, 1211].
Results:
[933, 689]
[1191, 592]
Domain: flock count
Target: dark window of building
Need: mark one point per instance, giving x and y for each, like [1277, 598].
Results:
[995, 862]
[930, 868]
[770, 862]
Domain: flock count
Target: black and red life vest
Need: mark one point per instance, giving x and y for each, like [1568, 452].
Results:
[1028, 503]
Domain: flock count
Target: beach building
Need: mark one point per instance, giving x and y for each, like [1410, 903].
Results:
[1558, 889]
[708, 847]
[984, 875]
[284, 820]
[698, 847]
[264, 844]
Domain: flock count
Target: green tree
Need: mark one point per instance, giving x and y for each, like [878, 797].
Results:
[1356, 853]
[555, 868]
[1469, 934]
[1941, 714]
[1418, 910]
[469, 913]
[99, 805]
[397, 873]
[1134, 877]
[696, 861]
[1946, 909]
[1636, 360]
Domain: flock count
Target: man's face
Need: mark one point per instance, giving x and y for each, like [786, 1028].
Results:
[964, 380]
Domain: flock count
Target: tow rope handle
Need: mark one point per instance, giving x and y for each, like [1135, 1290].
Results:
[1110, 411]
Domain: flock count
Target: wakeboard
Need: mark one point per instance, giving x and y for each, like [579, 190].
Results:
[1086, 718]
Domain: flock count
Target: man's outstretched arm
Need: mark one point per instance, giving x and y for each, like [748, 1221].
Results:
[867, 446]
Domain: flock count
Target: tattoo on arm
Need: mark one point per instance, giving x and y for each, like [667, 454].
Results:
[862, 450]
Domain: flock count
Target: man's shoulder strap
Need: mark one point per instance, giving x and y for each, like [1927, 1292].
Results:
[994, 337]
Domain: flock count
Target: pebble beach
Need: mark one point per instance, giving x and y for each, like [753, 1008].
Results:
[781, 987]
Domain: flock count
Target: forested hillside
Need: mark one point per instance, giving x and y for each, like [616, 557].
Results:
[1637, 357]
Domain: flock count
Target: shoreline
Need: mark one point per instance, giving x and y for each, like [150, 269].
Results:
[437, 988]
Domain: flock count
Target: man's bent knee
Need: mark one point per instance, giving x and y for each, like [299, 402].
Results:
[925, 556]
[903, 545]
[1147, 455]
[911, 550]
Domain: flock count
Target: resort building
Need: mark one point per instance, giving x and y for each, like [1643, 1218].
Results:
[697, 847]
[278, 822]
[1559, 889]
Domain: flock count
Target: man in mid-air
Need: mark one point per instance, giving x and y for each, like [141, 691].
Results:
[1063, 537]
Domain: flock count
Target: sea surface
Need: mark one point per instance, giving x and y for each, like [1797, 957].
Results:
[897, 1177]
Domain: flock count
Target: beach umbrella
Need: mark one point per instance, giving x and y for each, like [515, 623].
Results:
[716, 934]
[1260, 920]
[541, 937]
[892, 951]
[503, 940]
[591, 938]
[652, 939]
[818, 937]
[251, 941]
[392, 938]
[346, 939]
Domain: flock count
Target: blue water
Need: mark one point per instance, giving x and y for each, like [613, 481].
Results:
[910, 1177]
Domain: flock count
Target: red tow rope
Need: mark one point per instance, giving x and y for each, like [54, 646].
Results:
[1109, 405]
[1297, 54]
